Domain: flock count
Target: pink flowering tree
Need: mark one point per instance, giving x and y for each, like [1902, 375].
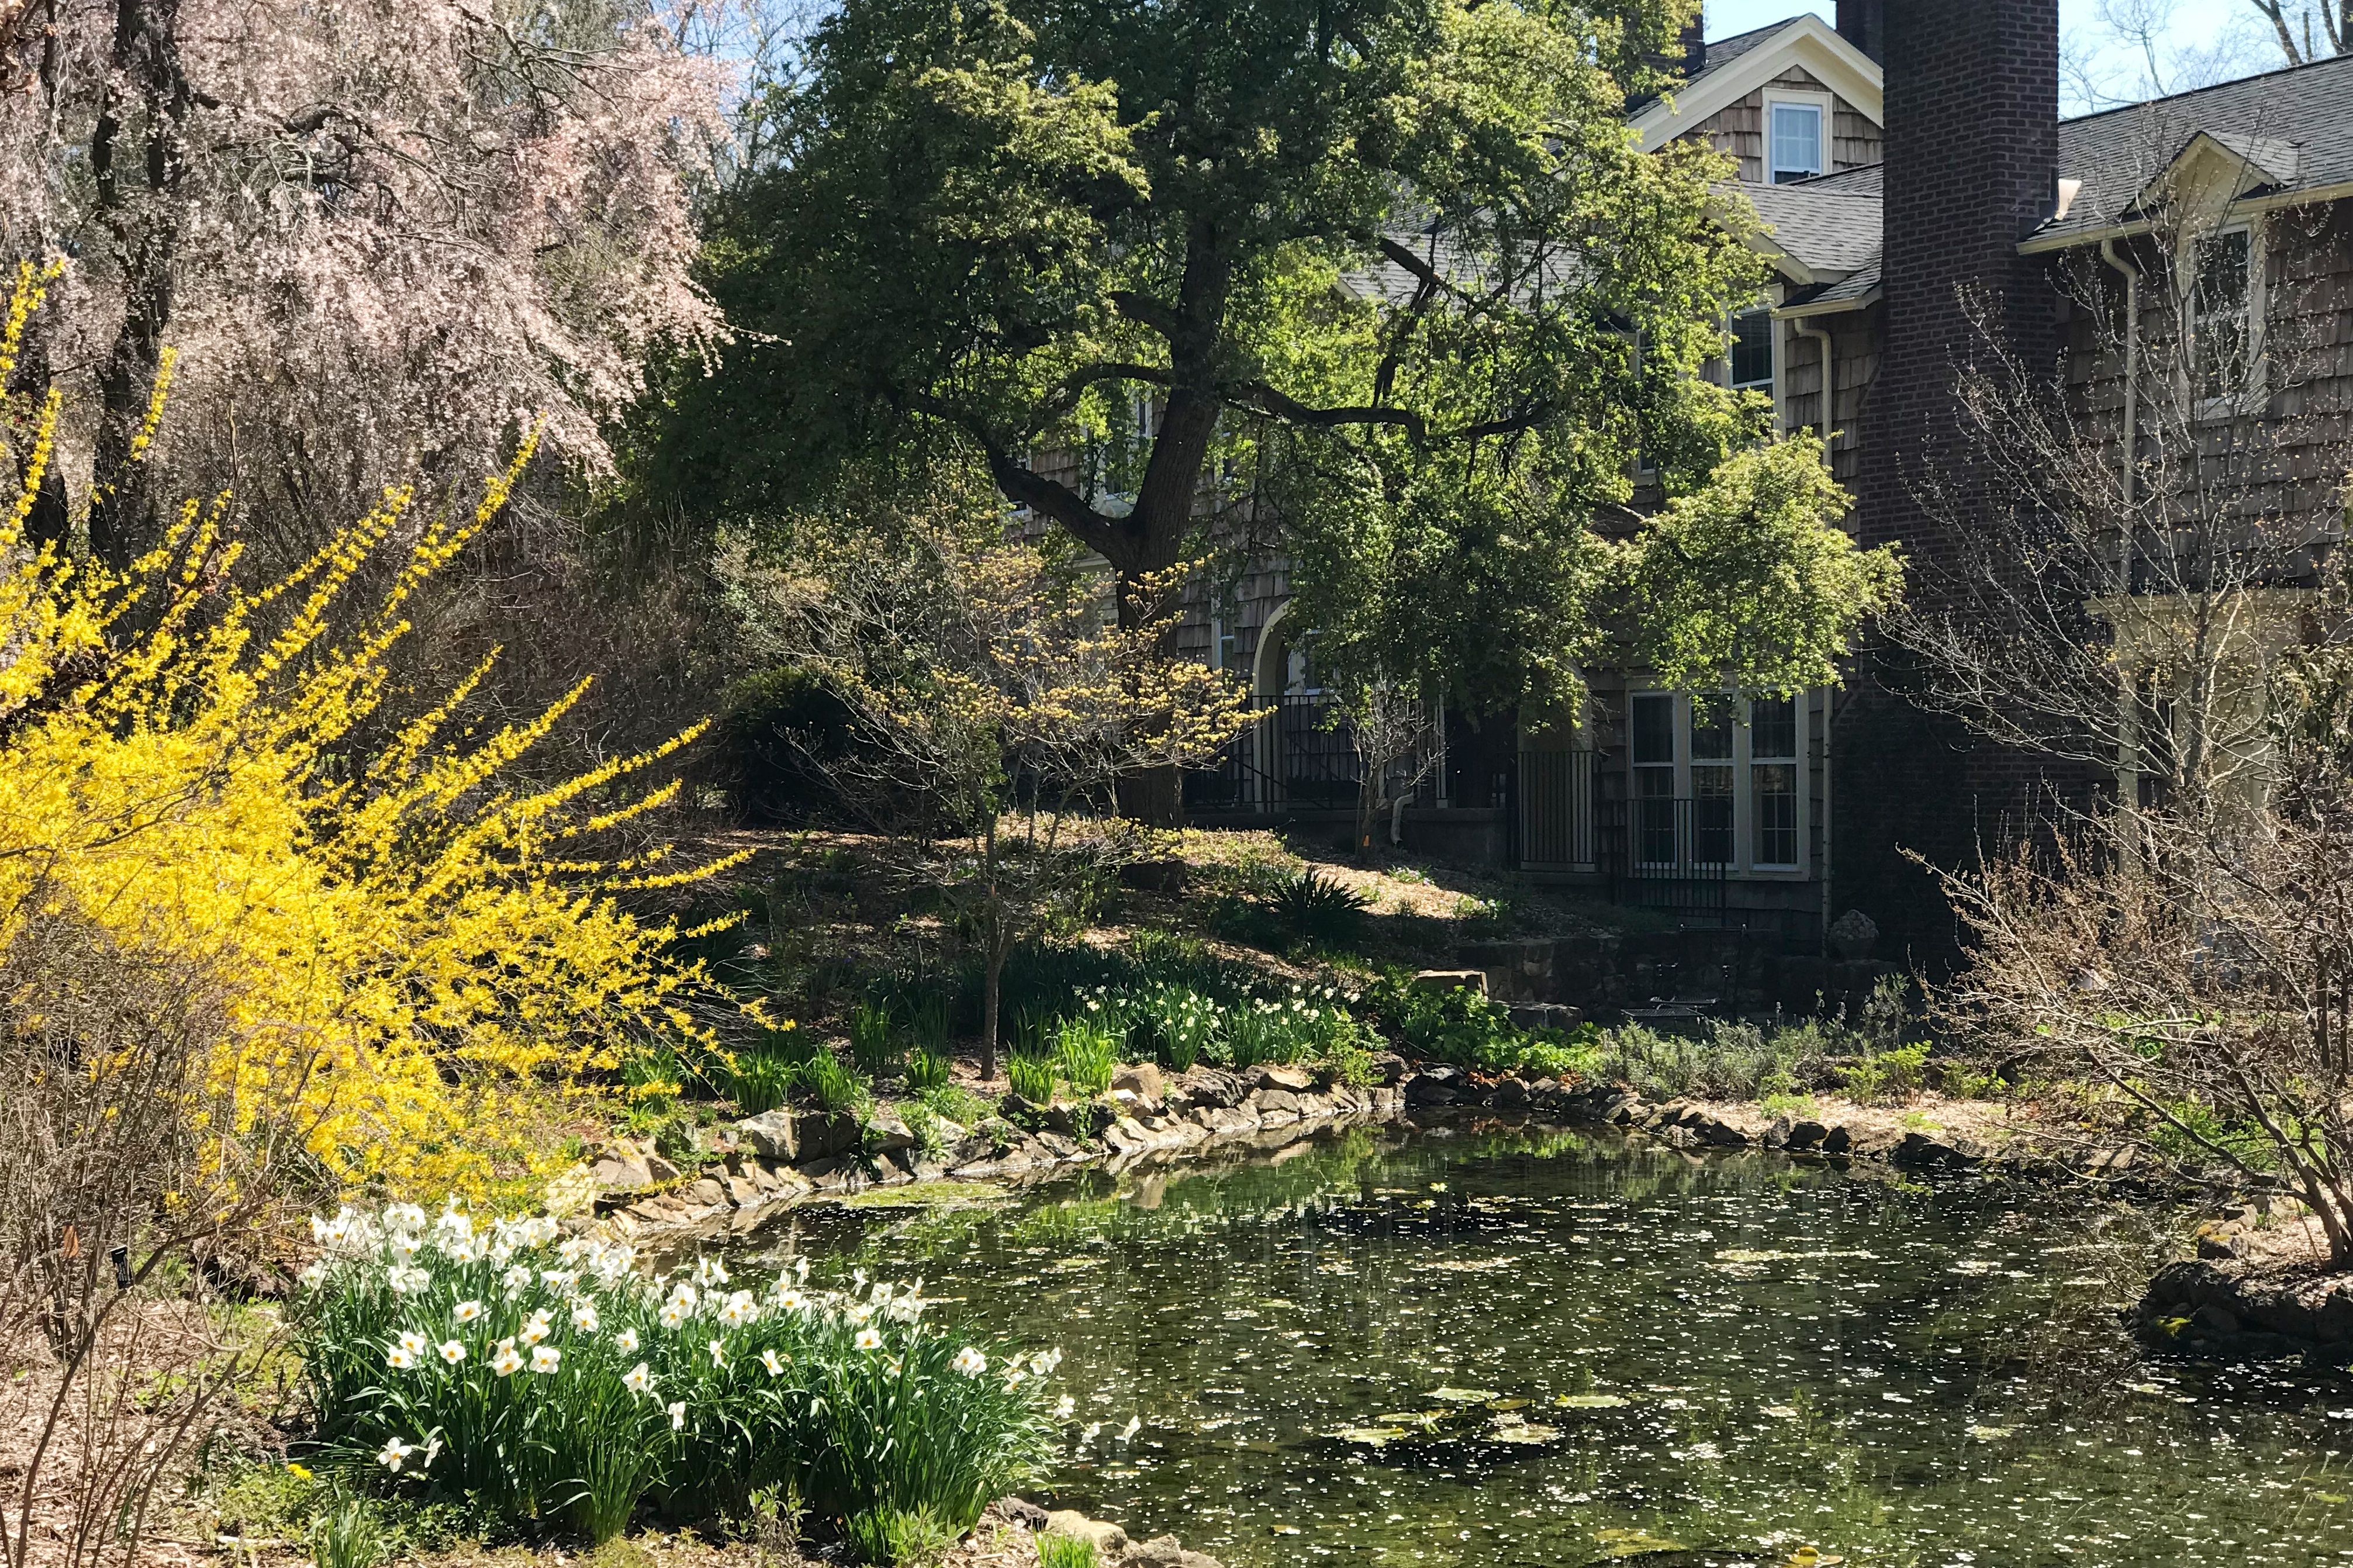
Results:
[364, 240]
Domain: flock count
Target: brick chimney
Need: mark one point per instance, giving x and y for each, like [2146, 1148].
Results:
[1972, 151]
[1694, 41]
[1971, 144]
[1864, 24]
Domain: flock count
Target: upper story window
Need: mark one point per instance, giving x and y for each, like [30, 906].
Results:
[1793, 140]
[2223, 305]
[1752, 352]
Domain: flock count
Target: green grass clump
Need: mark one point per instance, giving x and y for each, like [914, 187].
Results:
[872, 1045]
[1088, 1053]
[1032, 1077]
[926, 1070]
[1066, 1551]
[832, 1085]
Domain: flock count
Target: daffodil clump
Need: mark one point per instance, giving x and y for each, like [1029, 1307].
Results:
[406, 953]
[548, 1378]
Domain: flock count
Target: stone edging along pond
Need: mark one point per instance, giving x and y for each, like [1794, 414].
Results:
[763, 1164]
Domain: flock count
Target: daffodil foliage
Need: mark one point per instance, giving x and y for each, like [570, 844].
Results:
[410, 952]
[549, 1379]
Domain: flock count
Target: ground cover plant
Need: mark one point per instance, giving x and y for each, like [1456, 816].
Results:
[546, 1380]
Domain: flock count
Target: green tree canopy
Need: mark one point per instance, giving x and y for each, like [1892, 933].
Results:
[1312, 268]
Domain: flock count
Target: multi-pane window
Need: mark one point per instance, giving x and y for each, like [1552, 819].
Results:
[1709, 791]
[1712, 780]
[1773, 780]
[1652, 756]
[1752, 352]
[1794, 138]
[2222, 294]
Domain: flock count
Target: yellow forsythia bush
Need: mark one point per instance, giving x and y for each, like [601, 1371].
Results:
[416, 961]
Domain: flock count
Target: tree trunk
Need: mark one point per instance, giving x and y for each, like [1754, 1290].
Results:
[1154, 797]
[145, 234]
[992, 994]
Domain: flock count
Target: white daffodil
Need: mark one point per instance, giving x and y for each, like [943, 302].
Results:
[313, 1277]
[637, 1379]
[1044, 1362]
[709, 1271]
[625, 1342]
[545, 1358]
[671, 1315]
[402, 1248]
[970, 1361]
[1064, 1406]
[532, 1332]
[465, 1311]
[517, 1281]
[1014, 1376]
[405, 1217]
[452, 1352]
[800, 1270]
[574, 1249]
[739, 1310]
[400, 1358]
[862, 1312]
[506, 1362]
[792, 1300]
[405, 1280]
[1134, 1424]
[718, 1353]
[870, 1340]
[583, 1316]
[677, 1414]
[393, 1453]
[768, 1360]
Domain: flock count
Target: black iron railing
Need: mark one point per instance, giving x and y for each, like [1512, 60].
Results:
[1301, 757]
[1555, 795]
[1669, 853]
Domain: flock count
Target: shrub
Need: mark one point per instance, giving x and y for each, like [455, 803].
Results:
[1314, 907]
[1181, 1023]
[551, 1381]
[1032, 1077]
[1087, 1053]
[1885, 1075]
[762, 1076]
[888, 1535]
[415, 952]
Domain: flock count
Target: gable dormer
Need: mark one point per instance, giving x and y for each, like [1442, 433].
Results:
[1792, 100]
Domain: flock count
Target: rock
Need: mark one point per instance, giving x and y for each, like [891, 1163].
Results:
[1807, 1133]
[1110, 1538]
[1023, 1513]
[1206, 1086]
[1165, 1551]
[622, 1168]
[1141, 1079]
[1427, 1089]
[1509, 1094]
[2219, 1241]
[1777, 1136]
[707, 1192]
[794, 1137]
[887, 1133]
[1921, 1150]
[1451, 980]
[743, 1193]
[1154, 875]
[1725, 1130]
[1270, 1100]
[1852, 936]
[1293, 1080]
[1388, 1068]
[1545, 1016]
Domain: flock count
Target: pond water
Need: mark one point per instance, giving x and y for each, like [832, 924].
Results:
[1507, 1349]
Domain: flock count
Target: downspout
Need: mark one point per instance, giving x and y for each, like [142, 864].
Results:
[2127, 717]
[1830, 708]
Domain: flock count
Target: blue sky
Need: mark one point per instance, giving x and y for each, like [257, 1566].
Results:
[2202, 40]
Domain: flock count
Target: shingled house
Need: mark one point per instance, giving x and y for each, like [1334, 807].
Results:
[1904, 160]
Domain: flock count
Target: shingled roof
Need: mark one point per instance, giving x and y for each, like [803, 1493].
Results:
[2293, 128]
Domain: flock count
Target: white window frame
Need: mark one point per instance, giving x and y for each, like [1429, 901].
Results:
[1744, 763]
[2249, 398]
[1825, 106]
[1771, 384]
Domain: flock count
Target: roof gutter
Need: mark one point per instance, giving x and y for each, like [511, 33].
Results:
[1864, 301]
[2069, 239]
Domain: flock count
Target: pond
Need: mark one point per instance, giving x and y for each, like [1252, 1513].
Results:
[1539, 1349]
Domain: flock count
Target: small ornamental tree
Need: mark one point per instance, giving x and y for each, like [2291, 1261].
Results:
[995, 697]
